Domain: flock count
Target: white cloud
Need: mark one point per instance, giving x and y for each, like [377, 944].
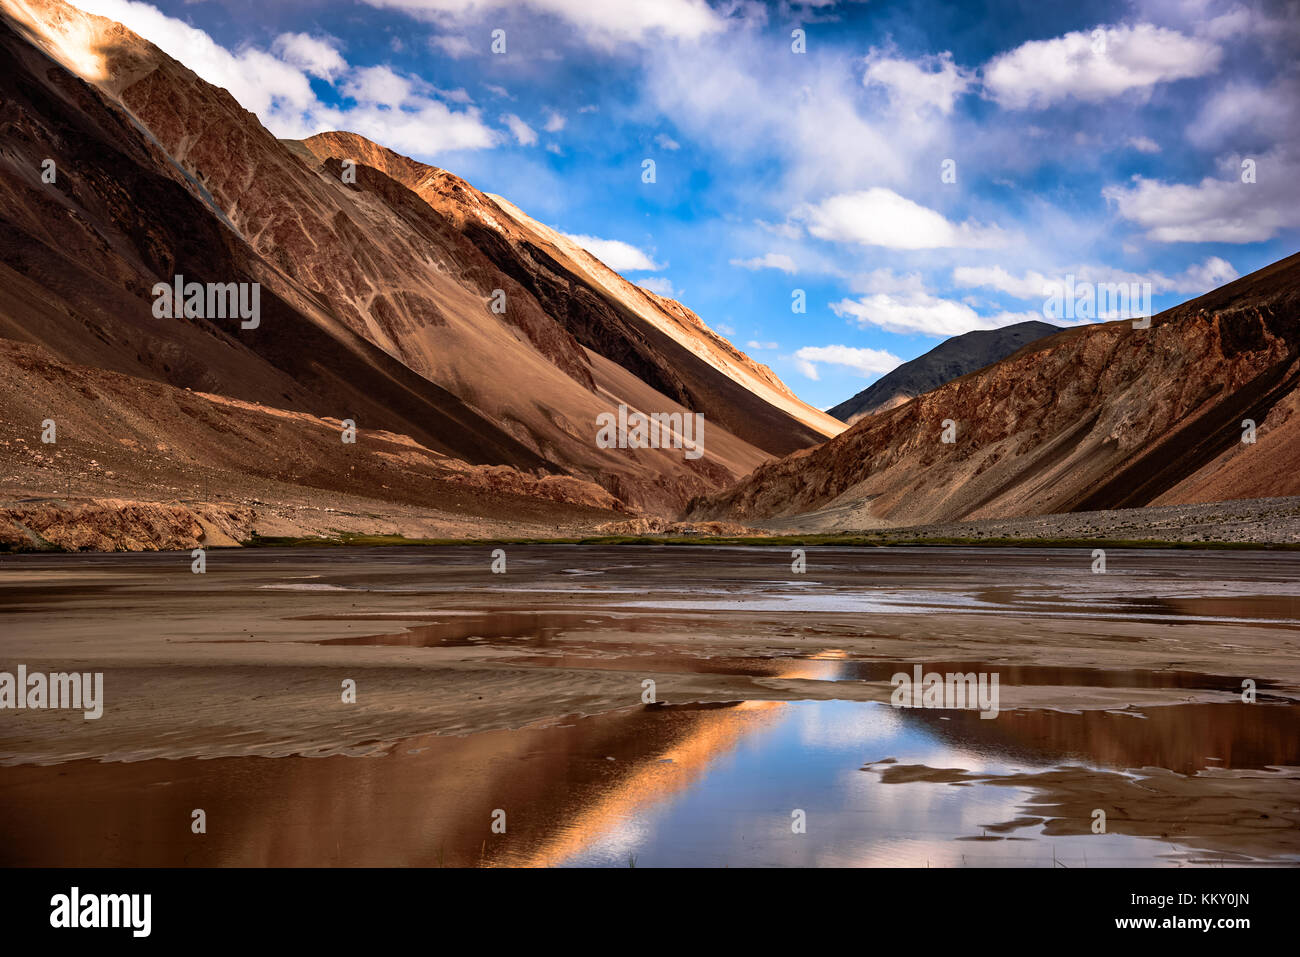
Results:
[864, 362]
[319, 56]
[921, 312]
[554, 122]
[1144, 144]
[600, 23]
[524, 134]
[453, 45]
[916, 85]
[762, 346]
[1094, 68]
[1211, 274]
[666, 142]
[1216, 209]
[1196, 279]
[402, 113]
[768, 261]
[880, 217]
[616, 254]
[379, 85]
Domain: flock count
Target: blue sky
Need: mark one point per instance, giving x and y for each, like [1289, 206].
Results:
[919, 170]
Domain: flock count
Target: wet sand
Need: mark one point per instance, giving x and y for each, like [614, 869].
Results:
[473, 691]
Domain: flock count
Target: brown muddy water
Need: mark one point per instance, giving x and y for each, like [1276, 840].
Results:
[500, 719]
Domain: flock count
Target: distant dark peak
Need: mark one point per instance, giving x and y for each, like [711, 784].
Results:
[951, 359]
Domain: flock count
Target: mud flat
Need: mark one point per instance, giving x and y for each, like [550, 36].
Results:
[526, 691]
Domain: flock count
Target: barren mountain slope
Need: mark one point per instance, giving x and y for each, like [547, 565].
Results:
[370, 264]
[1102, 416]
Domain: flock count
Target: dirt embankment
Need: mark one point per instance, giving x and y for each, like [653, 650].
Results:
[108, 525]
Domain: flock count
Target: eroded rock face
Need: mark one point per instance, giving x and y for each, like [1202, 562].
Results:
[1103, 416]
[108, 525]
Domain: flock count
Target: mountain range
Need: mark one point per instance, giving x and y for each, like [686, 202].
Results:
[455, 332]
[429, 360]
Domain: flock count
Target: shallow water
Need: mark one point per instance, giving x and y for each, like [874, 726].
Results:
[689, 785]
[711, 783]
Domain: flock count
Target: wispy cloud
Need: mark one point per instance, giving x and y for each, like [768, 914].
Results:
[524, 134]
[1196, 279]
[454, 46]
[659, 285]
[603, 24]
[767, 261]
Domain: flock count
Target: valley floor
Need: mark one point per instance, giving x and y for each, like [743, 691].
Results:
[654, 705]
[33, 520]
